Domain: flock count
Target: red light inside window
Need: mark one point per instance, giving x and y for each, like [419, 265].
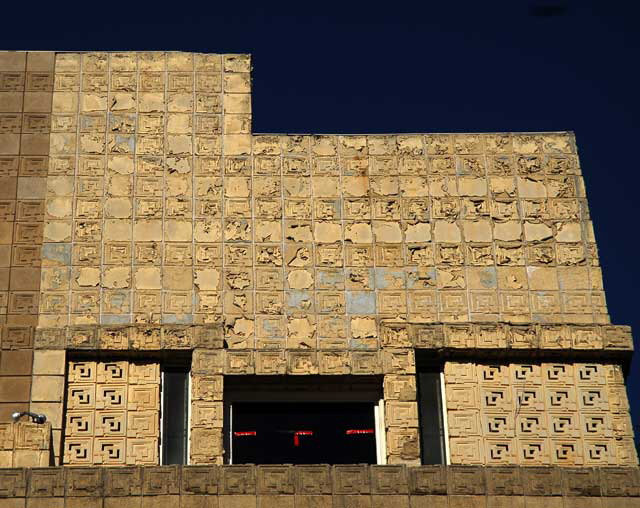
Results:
[245, 433]
[298, 433]
[352, 432]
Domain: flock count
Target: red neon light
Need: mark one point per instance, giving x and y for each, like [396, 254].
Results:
[298, 433]
[351, 432]
[245, 433]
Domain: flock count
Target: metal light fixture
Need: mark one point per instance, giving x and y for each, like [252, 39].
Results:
[35, 417]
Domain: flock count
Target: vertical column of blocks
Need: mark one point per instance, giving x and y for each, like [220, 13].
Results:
[112, 413]
[61, 182]
[206, 408]
[26, 81]
[48, 391]
[538, 414]
[237, 279]
[401, 419]
[15, 366]
[401, 408]
[134, 224]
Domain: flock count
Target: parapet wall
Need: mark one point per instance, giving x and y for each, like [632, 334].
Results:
[321, 486]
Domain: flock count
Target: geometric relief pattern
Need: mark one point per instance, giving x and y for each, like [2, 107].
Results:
[162, 207]
[112, 414]
[565, 414]
[160, 214]
[134, 225]
[206, 418]
[401, 419]
[24, 146]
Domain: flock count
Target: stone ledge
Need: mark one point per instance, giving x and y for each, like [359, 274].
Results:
[498, 335]
[465, 336]
[347, 362]
[319, 479]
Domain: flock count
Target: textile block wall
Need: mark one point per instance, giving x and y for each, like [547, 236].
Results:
[141, 216]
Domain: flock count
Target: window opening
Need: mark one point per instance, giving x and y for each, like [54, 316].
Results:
[432, 414]
[279, 419]
[175, 415]
[303, 433]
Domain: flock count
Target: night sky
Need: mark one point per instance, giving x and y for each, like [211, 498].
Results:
[457, 66]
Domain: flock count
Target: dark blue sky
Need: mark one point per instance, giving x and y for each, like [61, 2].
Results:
[459, 66]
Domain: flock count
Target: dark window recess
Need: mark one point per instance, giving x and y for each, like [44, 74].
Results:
[431, 418]
[175, 398]
[303, 433]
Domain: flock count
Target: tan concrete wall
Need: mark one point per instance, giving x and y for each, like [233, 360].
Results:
[569, 414]
[168, 224]
[112, 413]
[133, 218]
[162, 208]
[26, 85]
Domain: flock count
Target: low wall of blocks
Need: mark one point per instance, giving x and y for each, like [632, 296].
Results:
[321, 486]
[553, 410]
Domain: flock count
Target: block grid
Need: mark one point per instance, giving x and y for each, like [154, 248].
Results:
[538, 414]
[26, 82]
[139, 212]
[134, 221]
[296, 239]
[206, 412]
[24, 444]
[112, 413]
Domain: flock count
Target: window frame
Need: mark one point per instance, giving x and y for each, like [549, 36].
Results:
[186, 416]
[433, 425]
[371, 393]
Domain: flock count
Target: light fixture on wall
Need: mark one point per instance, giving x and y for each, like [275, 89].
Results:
[35, 417]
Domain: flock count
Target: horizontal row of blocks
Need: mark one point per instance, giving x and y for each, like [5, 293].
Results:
[389, 175]
[17, 61]
[319, 479]
[155, 178]
[504, 182]
[544, 155]
[98, 83]
[237, 232]
[148, 204]
[421, 258]
[486, 336]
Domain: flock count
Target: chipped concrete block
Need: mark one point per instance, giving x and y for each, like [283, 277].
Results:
[387, 232]
[116, 277]
[447, 232]
[537, 232]
[327, 232]
[147, 277]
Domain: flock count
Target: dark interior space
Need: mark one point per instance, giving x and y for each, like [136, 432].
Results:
[432, 437]
[175, 400]
[303, 433]
[301, 419]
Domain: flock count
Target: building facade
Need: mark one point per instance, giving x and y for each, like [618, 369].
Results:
[182, 294]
